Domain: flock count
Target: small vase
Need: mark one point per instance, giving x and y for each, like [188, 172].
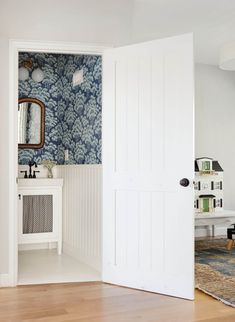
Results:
[50, 174]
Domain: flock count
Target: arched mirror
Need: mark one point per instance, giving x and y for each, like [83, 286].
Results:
[31, 123]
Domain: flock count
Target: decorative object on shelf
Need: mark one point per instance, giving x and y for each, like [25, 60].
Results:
[49, 165]
[208, 185]
[37, 74]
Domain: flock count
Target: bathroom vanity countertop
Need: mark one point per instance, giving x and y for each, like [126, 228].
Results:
[56, 182]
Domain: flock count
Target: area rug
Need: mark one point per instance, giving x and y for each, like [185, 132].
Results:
[215, 269]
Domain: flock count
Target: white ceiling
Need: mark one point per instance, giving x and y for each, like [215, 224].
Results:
[212, 21]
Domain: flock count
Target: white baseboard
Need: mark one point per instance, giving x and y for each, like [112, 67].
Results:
[37, 246]
[94, 262]
[207, 231]
[4, 280]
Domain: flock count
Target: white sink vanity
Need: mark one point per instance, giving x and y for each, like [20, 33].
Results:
[40, 211]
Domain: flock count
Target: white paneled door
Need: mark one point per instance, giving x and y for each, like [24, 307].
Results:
[148, 148]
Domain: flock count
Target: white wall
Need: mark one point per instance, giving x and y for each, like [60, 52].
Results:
[102, 21]
[215, 122]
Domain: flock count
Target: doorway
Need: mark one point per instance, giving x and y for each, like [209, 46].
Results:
[39, 258]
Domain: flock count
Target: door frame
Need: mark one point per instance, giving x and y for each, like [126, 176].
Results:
[15, 47]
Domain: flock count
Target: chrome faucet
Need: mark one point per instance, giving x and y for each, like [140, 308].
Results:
[31, 164]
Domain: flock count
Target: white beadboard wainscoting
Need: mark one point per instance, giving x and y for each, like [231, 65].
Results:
[82, 206]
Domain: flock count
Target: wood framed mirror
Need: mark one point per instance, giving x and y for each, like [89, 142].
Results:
[31, 123]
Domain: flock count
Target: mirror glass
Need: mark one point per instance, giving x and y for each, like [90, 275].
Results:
[30, 123]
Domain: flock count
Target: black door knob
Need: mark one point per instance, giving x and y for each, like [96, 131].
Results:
[184, 182]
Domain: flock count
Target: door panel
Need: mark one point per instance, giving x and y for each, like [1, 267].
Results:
[148, 147]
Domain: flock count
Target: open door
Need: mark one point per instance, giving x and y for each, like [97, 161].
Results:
[148, 148]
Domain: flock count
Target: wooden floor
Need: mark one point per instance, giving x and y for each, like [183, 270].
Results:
[89, 302]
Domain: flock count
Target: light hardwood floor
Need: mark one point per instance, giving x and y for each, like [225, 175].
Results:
[90, 302]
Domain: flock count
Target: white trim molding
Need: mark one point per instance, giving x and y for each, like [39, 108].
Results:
[16, 46]
[58, 47]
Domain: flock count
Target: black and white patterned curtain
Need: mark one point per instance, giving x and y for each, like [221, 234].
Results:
[37, 214]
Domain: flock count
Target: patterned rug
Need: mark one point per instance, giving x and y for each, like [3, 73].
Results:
[215, 269]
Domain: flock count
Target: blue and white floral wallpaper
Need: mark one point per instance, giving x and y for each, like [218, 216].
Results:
[73, 114]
